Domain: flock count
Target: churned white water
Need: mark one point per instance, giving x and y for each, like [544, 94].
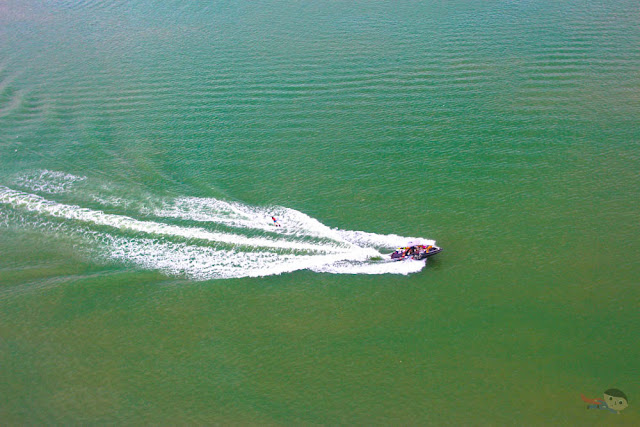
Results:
[248, 245]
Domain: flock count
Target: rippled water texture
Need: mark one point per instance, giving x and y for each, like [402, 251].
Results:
[144, 147]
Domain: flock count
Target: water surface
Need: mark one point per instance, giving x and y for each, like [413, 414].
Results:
[145, 145]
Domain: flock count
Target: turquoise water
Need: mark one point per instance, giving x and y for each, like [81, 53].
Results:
[144, 147]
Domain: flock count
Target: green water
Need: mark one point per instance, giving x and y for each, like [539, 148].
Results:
[144, 145]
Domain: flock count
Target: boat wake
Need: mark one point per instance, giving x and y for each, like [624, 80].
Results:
[200, 238]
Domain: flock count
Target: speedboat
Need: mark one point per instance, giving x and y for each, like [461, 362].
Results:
[416, 252]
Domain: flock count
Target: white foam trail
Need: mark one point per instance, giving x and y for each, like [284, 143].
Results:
[46, 181]
[362, 238]
[217, 211]
[207, 254]
[293, 222]
[387, 267]
[236, 214]
[206, 263]
[34, 203]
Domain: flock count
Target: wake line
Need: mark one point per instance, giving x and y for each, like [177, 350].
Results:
[242, 216]
[38, 204]
[297, 223]
[205, 262]
[200, 253]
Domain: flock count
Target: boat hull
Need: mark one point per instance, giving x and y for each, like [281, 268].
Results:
[397, 256]
[431, 253]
